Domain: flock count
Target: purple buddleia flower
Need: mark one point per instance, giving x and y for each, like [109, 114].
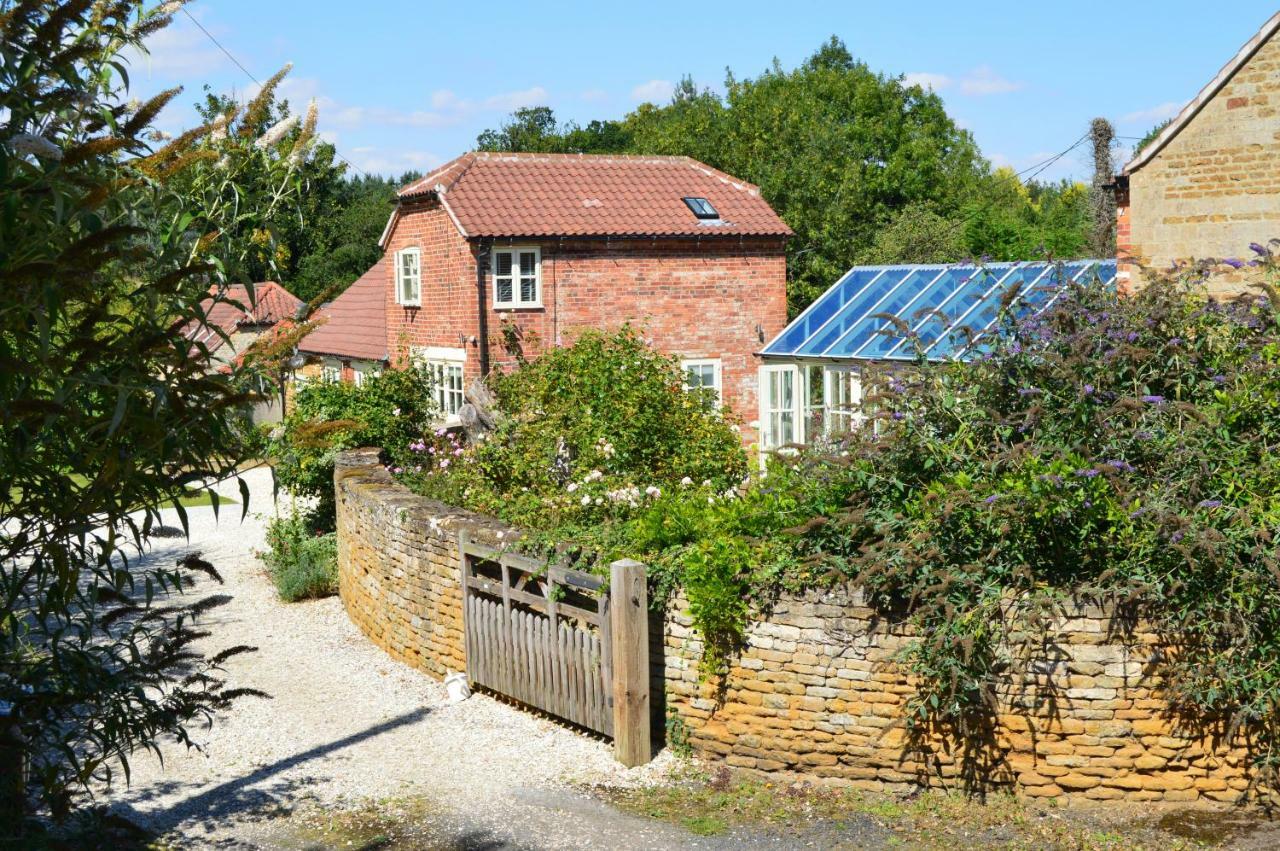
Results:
[1153, 400]
[1132, 335]
[1209, 503]
[1122, 466]
[1258, 249]
[1176, 536]
[1219, 379]
[1029, 391]
[1137, 513]
[898, 415]
[1175, 341]
[1087, 472]
[1234, 263]
[1088, 503]
[1088, 390]
[989, 500]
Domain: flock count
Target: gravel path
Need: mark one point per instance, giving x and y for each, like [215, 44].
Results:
[347, 725]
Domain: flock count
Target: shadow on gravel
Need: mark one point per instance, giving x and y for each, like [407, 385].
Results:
[252, 795]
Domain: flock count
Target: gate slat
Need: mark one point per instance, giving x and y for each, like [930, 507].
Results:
[539, 651]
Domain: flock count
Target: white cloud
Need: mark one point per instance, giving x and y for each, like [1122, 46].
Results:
[1153, 115]
[926, 80]
[536, 96]
[177, 51]
[393, 162]
[654, 91]
[983, 80]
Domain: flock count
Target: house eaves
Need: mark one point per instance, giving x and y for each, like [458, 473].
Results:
[1192, 109]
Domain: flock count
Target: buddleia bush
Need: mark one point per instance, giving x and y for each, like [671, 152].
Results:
[114, 241]
[1119, 448]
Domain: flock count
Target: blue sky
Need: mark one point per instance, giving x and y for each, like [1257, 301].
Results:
[404, 84]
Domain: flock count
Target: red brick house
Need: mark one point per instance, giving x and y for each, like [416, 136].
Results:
[491, 247]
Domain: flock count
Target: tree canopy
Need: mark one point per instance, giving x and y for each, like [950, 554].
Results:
[861, 165]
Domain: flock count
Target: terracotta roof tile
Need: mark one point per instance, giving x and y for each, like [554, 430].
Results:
[355, 323]
[493, 195]
[271, 303]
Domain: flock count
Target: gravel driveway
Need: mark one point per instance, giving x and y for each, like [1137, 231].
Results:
[348, 725]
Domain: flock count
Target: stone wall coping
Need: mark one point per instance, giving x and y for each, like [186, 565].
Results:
[361, 471]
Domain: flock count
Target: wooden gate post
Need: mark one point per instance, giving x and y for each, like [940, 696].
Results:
[629, 618]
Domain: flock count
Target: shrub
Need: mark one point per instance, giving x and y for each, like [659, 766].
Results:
[1120, 448]
[390, 410]
[302, 560]
[587, 433]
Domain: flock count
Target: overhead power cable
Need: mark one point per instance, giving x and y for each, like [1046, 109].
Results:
[250, 75]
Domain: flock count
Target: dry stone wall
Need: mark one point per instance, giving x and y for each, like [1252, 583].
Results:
[817, 692]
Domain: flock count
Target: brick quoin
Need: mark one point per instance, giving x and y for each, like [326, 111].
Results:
[709, 297]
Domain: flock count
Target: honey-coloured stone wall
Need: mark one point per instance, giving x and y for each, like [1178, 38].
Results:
[818, 691]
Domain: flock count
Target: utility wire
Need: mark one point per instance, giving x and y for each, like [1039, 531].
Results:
[249, 74]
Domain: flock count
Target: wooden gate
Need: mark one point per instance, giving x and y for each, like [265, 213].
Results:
[539, 634]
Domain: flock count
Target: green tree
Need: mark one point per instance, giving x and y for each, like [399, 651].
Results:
[111, 239]
[837, 149]
[330, 237]
[917, 234]
[534, 129]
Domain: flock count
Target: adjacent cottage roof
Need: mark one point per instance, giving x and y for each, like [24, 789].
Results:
[355, 323]
[936, 302]
[517, 195]
[1192, 109]
[271, 303]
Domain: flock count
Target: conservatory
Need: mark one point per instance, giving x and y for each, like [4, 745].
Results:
[811, 373]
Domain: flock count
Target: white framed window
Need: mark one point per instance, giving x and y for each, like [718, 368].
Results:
[362, 372]
[445, 367]
[780, 416]
[843, 399]
[331, 371]
[517, 277]
[703, 374]
[409, 277]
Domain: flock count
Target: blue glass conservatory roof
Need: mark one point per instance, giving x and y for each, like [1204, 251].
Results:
[937, 303]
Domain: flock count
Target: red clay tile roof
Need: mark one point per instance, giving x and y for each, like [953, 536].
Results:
[494, 195]
[271, 303]
[355, 323]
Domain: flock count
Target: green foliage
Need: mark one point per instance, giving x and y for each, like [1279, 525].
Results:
[112, 236]
[1119, 448]
[861, 166]
[390, 410]
[326, 240]
[1151, 136]
[302, 561]
[587, 432]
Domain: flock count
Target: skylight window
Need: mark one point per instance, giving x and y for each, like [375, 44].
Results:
[702, 208]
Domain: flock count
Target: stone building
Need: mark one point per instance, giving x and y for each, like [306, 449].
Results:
[1209, 185]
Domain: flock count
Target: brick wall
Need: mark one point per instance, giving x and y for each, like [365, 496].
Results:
[1215, 187]
[816, 692]
[711, 298]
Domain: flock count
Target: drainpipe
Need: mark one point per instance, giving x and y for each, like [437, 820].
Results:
[482, 266]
